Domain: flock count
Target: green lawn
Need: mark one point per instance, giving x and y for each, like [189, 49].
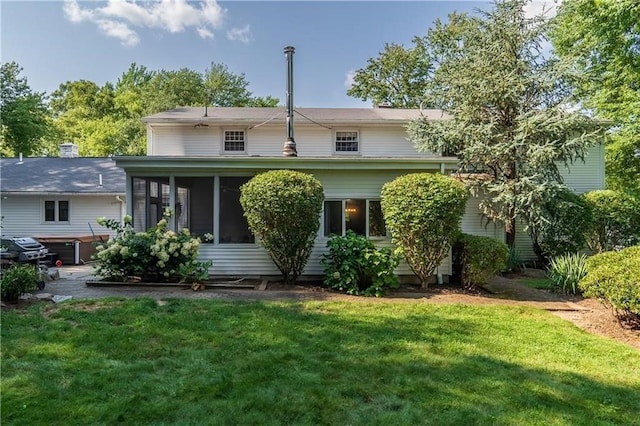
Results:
[537, 283]
[217, 362]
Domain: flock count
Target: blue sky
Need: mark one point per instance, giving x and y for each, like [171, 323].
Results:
[58, 41]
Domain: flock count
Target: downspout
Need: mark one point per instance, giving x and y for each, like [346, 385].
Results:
[123, 207]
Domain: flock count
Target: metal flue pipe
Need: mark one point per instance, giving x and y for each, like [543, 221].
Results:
[289, 149]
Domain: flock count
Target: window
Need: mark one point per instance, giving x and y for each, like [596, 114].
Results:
[364, 217]
[234, 228]
[347, 142]
[150, 198]
[56, 211]
[234, 141]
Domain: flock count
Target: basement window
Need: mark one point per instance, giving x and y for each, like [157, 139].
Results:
[234, 141]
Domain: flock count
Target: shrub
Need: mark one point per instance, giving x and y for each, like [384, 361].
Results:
[514, 262]
[155, 255]
[616, 220]
[16, 280]
[283, 210]
[614, 278]
[481, 258]
[356, 266]
[565, 220]
[566, 271]
[423, 211]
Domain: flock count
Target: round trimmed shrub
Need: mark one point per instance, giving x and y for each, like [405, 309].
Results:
[423, 211]
[616, 220]
[481, 258]
[283, 210]
[614, 278]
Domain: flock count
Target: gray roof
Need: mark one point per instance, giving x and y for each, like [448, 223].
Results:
[61, 175]
[278, 114]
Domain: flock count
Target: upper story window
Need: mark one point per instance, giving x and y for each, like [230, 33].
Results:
[56, 211]
[234, 141]
[347, 141]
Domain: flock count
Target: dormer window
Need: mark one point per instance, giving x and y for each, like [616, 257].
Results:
[347, 142]
[234, 141]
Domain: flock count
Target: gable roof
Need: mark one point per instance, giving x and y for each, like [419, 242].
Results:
[61, 175]
[250, 115]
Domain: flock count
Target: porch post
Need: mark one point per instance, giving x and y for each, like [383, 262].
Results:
[172, 225]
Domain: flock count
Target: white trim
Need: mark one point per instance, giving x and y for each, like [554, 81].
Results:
[223, 138]
[334, 142]
[343, 206]
[56, 211]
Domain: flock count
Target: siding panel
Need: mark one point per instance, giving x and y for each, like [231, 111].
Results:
[22, 215]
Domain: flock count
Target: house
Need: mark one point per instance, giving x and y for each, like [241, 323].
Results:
[57, 200]
[198, 158]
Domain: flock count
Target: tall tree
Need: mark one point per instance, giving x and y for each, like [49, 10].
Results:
[24, 115]
[506, 100]
[171, 89]
[226, 89]
[601, 41]
[398, 77]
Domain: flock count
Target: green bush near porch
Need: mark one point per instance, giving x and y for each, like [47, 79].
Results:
[423, 212]
[156, 255]
[283, 209]
[356, 266]
[481, 257]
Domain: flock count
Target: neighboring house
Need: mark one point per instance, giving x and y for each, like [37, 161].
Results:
[57, 200]
[197, 160]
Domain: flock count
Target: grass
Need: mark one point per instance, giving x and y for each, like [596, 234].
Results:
[218, 362]
[542, 283]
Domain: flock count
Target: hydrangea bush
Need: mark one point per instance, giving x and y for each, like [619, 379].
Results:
[155, 255]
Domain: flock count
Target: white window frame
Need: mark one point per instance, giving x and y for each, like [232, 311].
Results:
[224, 140]
[343, 202]
[56, 211]
[335, 141]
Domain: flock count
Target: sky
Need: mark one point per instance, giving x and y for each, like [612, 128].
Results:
[59, 41]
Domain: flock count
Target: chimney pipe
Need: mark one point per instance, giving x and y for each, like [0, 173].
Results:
[289, 149]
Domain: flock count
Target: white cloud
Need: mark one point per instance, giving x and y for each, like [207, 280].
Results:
[349, 78]
[119, 18]
[240, 34]
[539, 7]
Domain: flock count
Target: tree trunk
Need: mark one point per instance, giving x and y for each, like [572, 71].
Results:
[510, 237]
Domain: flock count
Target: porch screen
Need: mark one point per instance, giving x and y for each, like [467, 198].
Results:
[234, 228]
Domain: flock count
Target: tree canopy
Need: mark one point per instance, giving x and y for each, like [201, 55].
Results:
[600, 41]
[510, 127]
[23, 113]
[397, 77]
[106, 120]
